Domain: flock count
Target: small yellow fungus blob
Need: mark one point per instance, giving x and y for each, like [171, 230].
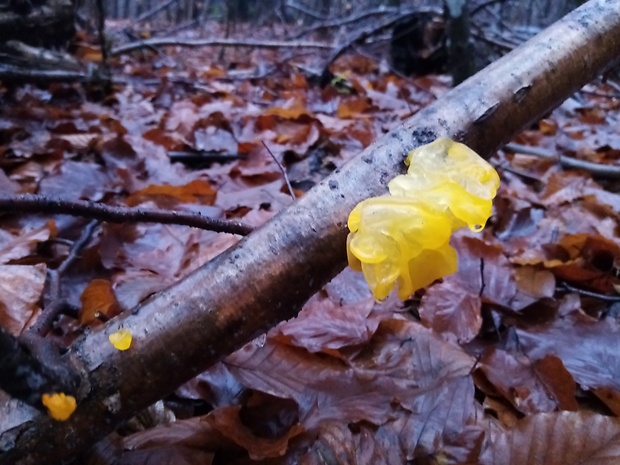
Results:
[121, 339]
[59, 405]
[403, 238]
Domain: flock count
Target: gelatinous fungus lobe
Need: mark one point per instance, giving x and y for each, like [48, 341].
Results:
[403, 238]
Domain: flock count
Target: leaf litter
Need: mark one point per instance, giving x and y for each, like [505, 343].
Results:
[514, 359]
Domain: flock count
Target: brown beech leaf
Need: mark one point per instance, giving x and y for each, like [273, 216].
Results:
[166, 139]
[20, 290]
[353, 107]
[98, 299]
[405, 355]
[514, 378]
[451, 310]
[133, 285]
[196, 192]
[168, 455]
[217, 386]
[452, 307]
[586, 260]
[535, 282]
[268, 196]
[401, 360]
[587, 347]
[610, 397]
[228, 422]
[323, 324]
[87, 181]
[442, 418]
[192, 432]
[558, 381]
[339, 444]
[322, 386]
[293, 113]
[14, 248]
[561, 438]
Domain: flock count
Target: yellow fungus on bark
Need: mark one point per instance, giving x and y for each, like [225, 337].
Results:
[403, 238]
[121, 339]
[59, 405]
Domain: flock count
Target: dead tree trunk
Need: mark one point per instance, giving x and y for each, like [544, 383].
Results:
[266, 278]
[40, 22]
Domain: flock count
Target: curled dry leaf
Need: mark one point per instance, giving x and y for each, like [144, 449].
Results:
[16, 247]
[98, 301]
[531, 387]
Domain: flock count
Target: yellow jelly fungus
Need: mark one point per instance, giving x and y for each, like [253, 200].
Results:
[121, 339]
[403, 238]
[59, 405]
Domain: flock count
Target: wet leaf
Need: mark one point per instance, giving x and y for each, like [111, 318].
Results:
[557, 438]
[98, 302]
[196, 192]
[452, 307]
[20, 290]
[323, 324]
[587, 348]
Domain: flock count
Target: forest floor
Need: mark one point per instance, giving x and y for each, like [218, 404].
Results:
[514, 359]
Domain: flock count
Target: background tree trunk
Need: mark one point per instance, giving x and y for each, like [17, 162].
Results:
[267, 277]
[38, 23]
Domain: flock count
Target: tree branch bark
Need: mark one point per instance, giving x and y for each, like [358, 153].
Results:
[31, 203]
[176, 42]
[268, 276]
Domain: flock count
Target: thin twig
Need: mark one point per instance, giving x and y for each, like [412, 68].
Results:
[483, 6]
[306, 11]
[30, 203]
[153, 11]
[288, 183]
[356, 38]
[338, 22]
[78, 246]
[53, 303]
[595, 295]
[176, 42]
[595, 169]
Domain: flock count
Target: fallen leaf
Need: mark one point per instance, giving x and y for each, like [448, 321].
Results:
[98, 300]
[21, 287]
[166, 196]
[562, 438]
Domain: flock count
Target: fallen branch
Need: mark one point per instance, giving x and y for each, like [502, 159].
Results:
[23, 375]
[29, 203]
[291, 191]
[10, 73]
[176, 42]
[356, 38]
[268, 275]
[19, 53]
[339, 22]
[595, 169]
